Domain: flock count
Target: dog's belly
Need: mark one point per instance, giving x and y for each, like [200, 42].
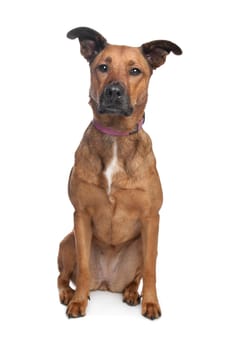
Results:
[114, 267]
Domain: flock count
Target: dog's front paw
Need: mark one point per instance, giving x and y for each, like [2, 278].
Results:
[76, 308]
[151, 310]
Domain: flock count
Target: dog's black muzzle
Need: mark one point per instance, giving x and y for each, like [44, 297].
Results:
[114, 100]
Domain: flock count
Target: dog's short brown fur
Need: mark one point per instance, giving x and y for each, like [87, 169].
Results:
[114, 185]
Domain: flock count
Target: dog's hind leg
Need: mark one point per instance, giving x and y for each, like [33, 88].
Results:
[66, 265]
[133, 260]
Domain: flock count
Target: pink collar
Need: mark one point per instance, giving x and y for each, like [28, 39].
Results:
[113, 132]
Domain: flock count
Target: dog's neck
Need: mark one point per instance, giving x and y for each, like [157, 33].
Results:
[113, 132]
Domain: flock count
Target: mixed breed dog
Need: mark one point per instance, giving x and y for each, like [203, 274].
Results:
[114, 185]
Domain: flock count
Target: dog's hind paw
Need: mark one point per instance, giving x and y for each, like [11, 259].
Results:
[65, 295]
[131, 296]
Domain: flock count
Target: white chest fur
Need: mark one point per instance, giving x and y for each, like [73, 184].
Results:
[112, 167]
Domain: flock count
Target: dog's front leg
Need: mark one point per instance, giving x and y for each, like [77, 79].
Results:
[83, 237]
[150, 304]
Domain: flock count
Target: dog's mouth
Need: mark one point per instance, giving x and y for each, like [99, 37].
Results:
[114, 100]
[121, 111]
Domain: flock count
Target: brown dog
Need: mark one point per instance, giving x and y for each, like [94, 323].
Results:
[114, 185]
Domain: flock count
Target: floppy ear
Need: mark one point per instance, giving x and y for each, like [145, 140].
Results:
[156, 51]
[91, 42]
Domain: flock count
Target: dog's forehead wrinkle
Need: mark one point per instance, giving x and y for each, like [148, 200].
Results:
[131, 63]
[108, 59]
[125, 52]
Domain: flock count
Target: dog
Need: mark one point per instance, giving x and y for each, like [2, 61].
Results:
[114, 185]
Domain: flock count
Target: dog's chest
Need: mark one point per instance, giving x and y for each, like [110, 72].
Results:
[112, 168]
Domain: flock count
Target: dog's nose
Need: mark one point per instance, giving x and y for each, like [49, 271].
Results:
[113, 92]
[115, 100]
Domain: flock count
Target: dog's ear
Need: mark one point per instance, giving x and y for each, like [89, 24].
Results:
[91, 42]
[156, 51]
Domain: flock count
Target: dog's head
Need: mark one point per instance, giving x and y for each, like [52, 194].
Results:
[120, 74]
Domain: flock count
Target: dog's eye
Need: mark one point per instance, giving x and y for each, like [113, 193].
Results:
[135, 71]
[103, 68]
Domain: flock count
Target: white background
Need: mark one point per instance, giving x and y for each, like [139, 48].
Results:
[44, 112]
